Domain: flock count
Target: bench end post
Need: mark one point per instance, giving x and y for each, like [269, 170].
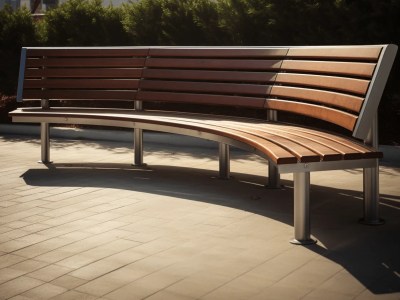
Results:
[302, 235]
[224, 161]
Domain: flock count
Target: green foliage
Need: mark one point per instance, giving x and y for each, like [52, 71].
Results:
[170, 22]
[16, 30]
[84, 23]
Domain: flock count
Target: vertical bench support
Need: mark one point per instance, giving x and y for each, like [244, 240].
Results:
[138, 140]
[224, 161]
[371, 181]
[273, 173]
[302, 209]
[45, 137]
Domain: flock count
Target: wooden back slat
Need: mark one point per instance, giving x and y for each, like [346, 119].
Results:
[206, 87]
[356, 69]
[212, 76]
[353, 53]
[89, 52]
[80, 94]
[213, 64]
[338, 117]
[338, 100]
[334, 83]
[102, 84]
[132, 73]
[221, 52]
[84, 62]
[255, 102]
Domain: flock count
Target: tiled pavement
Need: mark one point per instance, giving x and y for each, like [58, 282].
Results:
[90, 226]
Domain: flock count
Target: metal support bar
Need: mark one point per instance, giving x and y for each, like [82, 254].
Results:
[273, 171]
[302, 209]
[224, 161]
[273, 176]
[138, 139]
[45, 143]
[138, 144]
[371, 181]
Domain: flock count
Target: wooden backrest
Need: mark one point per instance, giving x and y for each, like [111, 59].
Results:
[332, 83]
[339, 84]
[81, 73]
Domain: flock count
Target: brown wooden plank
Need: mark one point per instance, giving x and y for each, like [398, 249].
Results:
[352, 85]
[130, 84]
[79, 95]
[87, 51]
[355, 69]
[339, 100]
[205, 75]
[213, 64]
[369, 53]
[218, 52]
[206, 87]
[334, 116]
[86, 62]
[352, 149]
[84, 73]
[257, 102]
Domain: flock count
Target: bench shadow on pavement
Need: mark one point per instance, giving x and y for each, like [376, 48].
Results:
[371, 254]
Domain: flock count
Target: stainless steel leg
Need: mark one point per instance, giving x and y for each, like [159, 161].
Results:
[45, 143]
[273, 176]
[138, 145]
[302, 209]
[224, 161]
[371, 196]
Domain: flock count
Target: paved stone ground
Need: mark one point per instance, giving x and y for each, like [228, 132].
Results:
[90, 226]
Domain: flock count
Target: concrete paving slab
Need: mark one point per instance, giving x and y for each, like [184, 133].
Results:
[91, 225]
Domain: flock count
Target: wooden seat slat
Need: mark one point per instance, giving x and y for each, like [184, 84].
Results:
[206, 87]
[84, 73]
[327, 149]
[84, 62]
[126, 84]
[338, 117]
[350, 85]
[213, 64]
[205, 75]
[333, 99]
[356, 69]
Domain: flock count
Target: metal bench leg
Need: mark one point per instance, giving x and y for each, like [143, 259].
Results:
[138, 145]
[45, 143]
[224, 161]
[302, 209]
[273, 177]
[371, 196]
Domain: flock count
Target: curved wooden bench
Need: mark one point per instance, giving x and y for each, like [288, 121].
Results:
[341, 85]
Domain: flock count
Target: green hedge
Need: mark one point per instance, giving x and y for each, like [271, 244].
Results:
[207, 22]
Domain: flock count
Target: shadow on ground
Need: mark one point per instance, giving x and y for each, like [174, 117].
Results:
[370, 254]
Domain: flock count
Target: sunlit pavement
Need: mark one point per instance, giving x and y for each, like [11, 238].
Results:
[93, 226]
